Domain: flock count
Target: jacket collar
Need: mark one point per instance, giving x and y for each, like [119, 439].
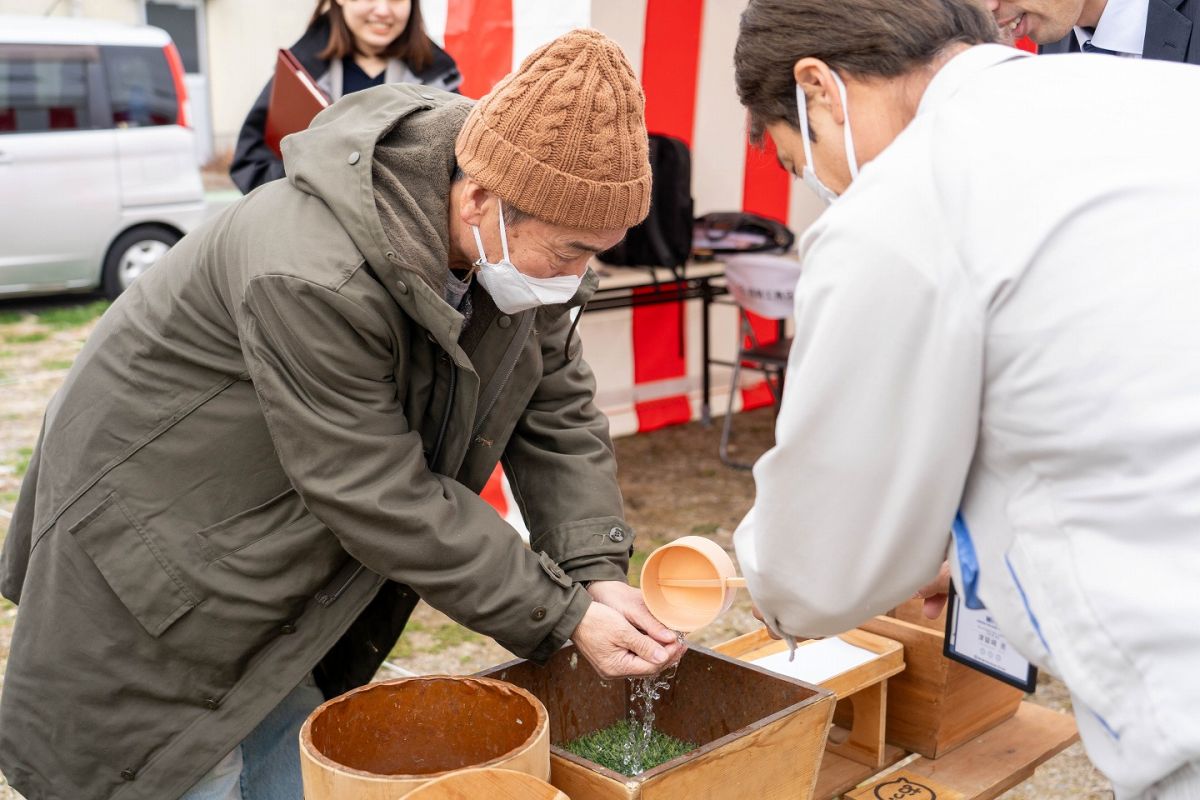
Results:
[959, 71]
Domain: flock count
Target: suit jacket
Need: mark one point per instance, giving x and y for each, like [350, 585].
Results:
[1169, 34]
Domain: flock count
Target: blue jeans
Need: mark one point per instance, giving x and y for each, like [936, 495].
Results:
[266, 765]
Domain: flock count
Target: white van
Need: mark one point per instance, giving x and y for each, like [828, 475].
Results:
[98, 176]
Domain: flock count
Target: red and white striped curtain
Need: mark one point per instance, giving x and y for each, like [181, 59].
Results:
[647, 360]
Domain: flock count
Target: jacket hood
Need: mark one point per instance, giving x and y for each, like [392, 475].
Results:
[396, 140]
[382, 160]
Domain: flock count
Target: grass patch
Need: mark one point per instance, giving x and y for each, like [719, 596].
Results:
[23, 456]
[26, 338]
[637, 560]
[705, 529]
[8, 499]
[72, 316]
[452, 635]
[405, 648]
[607, 748]
[9, 317]
[53, 365]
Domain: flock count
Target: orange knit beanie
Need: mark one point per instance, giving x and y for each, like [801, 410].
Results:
[564, 137]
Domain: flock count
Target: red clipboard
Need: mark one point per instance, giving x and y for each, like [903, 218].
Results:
[295, 100]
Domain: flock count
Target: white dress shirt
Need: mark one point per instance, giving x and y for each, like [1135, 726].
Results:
[1002, 315]
[1122, 28]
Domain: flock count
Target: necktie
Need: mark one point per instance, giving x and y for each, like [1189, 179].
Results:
[1088, 47]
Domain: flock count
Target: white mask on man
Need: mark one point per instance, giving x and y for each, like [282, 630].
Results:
[512, 290]
[810, 174]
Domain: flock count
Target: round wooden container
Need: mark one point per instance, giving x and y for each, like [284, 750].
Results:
[493, 784]
[381, 741]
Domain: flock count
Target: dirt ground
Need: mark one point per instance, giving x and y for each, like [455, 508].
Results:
[673, 483]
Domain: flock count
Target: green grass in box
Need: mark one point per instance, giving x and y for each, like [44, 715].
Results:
[607, 746]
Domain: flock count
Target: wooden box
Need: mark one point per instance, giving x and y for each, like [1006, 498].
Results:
[936, 704]
[760, 735]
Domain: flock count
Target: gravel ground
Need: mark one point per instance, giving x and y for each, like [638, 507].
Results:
[673, 483]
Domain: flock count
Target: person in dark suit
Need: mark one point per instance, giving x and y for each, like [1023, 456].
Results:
[1157, 29]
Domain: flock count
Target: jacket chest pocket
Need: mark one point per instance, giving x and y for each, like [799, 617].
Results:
[134, 565]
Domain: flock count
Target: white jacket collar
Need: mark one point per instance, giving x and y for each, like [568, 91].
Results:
[959, 70]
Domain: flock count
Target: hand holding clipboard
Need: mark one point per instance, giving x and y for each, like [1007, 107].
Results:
[295, 100]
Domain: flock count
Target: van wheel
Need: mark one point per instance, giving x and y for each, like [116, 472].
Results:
[134, 252]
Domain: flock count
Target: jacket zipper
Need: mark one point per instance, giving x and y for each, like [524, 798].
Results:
[445, 423]
[340, 583]
[511, 355]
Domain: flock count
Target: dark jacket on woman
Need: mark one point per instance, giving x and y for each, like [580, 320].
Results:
[255, 164]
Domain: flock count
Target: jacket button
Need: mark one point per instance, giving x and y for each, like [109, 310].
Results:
[539, 613]
[211, 703]
[353, 159]
[504, 322]
[616, 535]
[427, 96]
[402, 287]
[287, 628]
[128, 774]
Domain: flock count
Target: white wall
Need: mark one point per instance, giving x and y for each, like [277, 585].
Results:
[118, 10]
[243, 38]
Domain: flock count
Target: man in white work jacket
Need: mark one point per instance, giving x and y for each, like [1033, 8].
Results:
[999, 314]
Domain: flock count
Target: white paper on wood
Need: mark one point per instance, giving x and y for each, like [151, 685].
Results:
[817, 661]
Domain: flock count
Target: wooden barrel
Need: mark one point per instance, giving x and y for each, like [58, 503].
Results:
[493, 784]
[381, 741]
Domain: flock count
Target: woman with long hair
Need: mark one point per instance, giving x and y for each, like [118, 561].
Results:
[349, 45]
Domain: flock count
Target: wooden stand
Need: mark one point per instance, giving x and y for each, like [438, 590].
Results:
[985, 767]
[974, 736]
[861, 692]
[937, 704]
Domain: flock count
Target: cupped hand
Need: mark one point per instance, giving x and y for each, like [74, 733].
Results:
[629, 601]
[616, 649]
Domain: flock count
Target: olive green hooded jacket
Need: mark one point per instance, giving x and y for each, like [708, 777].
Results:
[270, 446]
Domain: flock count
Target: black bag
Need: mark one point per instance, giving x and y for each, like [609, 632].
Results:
[664, 239]
[725, 232]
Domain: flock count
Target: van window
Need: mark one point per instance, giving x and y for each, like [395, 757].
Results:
[44, 88]
[140, 87]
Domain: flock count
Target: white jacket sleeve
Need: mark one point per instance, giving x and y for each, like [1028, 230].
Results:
[874, 440]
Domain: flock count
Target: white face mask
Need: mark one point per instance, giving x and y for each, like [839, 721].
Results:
[512, 290]
[810, 175]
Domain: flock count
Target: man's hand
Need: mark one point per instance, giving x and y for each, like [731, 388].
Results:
[615, 648]
[758, 615]
[935, 593]
[620, 637]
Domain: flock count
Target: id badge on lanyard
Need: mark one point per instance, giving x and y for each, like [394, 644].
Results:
[972, 636]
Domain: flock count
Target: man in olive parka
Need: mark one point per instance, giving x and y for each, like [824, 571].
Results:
[273, 443]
